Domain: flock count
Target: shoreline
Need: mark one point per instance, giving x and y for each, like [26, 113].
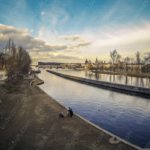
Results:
[31, 122]
[96, 126]
[139, 75]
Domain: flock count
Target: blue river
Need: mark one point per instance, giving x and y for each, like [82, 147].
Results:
[123, 115]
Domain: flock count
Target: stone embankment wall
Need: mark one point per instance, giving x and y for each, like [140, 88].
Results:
[112, 86]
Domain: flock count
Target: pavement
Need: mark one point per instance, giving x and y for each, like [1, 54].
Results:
[29, 121]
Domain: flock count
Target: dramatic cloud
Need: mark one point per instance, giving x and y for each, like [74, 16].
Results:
[22, 37]
[49, 45]
[36, 46]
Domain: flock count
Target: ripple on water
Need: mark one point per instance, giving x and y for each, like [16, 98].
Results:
[124, 115]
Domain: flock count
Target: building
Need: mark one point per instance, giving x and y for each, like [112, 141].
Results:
[58, 65]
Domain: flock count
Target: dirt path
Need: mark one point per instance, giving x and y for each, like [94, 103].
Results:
[30, 121]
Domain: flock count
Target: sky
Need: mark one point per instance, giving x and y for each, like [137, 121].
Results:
[73, 30]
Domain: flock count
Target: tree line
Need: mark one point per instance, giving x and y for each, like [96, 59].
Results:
[138, 64]
[15, 60]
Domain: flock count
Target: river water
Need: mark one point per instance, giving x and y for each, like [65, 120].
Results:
[121, 79]
[123, 115]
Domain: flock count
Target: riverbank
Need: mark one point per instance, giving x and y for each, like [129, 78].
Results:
[129, 74]
[29, 120]
[128, 89]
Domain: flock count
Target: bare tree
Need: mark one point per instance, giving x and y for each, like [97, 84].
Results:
[118, 58]
[115, 56]
[24, 60]
[96, 64]
[17, 62]
[127, 60]
[138, 57]
[2, 60]
[138, 60]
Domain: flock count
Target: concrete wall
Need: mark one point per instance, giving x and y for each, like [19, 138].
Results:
[112, 86]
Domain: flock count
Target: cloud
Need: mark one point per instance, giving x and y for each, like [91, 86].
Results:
[22, 37]
[89, 43]
[72, 37]
[127, 40]
[82, 44]
[47, 56]
[11, 30]
[38, 48]
[70, 43]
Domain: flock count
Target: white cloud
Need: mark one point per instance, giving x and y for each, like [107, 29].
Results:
[73, 42]
[37, 47]
[126, 40]
[22, 37]
[51, 45]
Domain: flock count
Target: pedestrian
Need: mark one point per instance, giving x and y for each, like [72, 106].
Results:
[70, 112]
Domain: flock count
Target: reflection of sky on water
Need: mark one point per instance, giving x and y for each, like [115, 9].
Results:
[121, 79]
[125, 115]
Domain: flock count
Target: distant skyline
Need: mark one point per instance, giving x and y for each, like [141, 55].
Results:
[73, 30]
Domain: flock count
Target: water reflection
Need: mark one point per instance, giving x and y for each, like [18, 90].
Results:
[120, 79]
[96, 76]
[118, 113]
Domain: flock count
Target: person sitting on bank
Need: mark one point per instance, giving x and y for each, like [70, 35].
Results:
[61, 115]
[70, 112]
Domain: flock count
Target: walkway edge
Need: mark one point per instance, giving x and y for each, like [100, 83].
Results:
[109, 133]
[96, 126]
